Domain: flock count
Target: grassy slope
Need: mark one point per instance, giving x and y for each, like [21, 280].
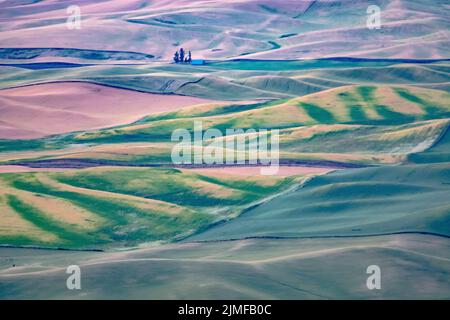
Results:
[242, 79]
[370, 145]
[440, 152]
[408, 198]
[127, 206]
[365, 124]
[383, 123]
[411, 28]
[311, 109]
[349, 202]
[251, 269]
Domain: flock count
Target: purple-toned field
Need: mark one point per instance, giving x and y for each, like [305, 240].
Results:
[45, 109]
[264, 29]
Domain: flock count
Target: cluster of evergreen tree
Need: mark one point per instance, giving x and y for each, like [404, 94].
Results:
[181, 57]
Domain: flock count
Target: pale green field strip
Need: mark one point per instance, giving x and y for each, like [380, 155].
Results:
[247, 269]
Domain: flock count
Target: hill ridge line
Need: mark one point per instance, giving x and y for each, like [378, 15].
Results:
[324, 237]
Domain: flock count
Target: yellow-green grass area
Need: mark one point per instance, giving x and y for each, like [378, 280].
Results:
[158, 152]
[363, 139]
[121, 207]
[357, 124]
[340, 143]
[364, 105]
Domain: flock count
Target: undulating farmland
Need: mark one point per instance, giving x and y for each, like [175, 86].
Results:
[87, 175]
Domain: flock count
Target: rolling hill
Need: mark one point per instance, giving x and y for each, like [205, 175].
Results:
[87, 177]
[384, 125]
[248, 269]
[266, 29]
[357, 202]
[113, 207]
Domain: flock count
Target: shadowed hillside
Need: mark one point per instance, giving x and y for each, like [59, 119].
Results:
[352, 203]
